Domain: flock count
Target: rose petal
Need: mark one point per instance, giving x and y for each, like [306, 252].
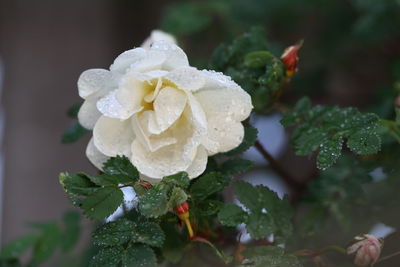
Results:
[163, 162]
[220, 95]
[157, 35]
[152, 61]
[92, 81]
[224, 134]
[187, 78]
[126, 59]
[109, 106]
[199, 163]
[168, 106]
[175, 57]
[152, 142]
[113, 137]
[95, 156]
[88, 113]
[172, 158]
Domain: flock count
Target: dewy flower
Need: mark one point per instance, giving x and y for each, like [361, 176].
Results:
[164, 115]
[157, 35]
[367, 249]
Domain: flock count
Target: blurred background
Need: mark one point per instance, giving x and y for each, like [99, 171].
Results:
[351, 57]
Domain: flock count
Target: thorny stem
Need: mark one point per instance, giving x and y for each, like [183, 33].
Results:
[296, 186]
[388, 256]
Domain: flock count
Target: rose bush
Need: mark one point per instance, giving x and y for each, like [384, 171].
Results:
[161, 113]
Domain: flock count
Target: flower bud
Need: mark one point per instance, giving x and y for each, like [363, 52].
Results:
[366, 248]
[182, 208]
[290, 58]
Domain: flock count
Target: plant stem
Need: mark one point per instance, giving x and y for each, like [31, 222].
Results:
[388, 256]
[277, 167]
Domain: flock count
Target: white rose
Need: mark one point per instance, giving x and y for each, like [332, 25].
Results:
[157, 35]
[164, 115]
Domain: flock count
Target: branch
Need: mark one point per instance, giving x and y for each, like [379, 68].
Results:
[296, 186]
[389, 256]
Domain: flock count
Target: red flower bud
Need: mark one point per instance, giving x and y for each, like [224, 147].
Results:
[182, 208]
[290, 58]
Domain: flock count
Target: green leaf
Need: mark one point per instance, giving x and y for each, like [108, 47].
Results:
[102, 203]
[208, 184]
[154, 202]
[258, 59]
[209, 207]
[236, 166]
[330, 151]
[139, 255]
[120, 170]
[247, 61]
[260, 225]
[47, 243]
[268, 213]
[72, 230]
[109, 257]
[149, 233]
[325, 128]
[73, 133]
[78, 184]
[308, 139]
[123, 231]
[180, 179]
[15, 248]
[73, 111]
[270, 256]
[114, 233]
[178, 196]
[232, 215]
[364, 142]
[250, 137]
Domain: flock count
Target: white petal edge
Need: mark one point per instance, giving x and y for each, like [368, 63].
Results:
[220, 95]
[163, 162]
[92, 81]
[152, 61]
[109, 106]
[126, 59]
[88, 113]
[187, 78]
[158, 35]
[113, 137]
[95, 156]
[175, 56]
[224, 134]
[199, 163]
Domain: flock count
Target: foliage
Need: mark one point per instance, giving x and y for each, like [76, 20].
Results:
[47, 239]
[326, 127]
[254, 68]
[265, 214]
[270, 256]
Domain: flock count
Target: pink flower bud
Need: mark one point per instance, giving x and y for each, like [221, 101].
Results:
[367, 249]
